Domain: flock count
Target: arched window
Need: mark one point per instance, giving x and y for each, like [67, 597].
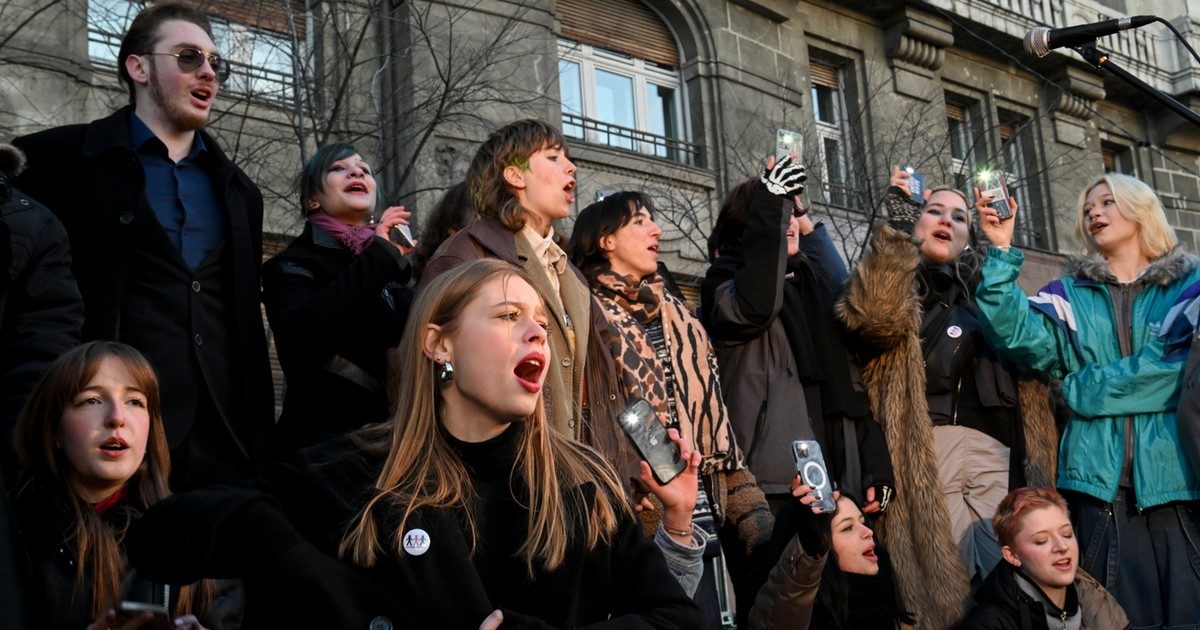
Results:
[619, 79]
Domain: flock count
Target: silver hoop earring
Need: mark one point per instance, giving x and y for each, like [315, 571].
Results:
[446, 374]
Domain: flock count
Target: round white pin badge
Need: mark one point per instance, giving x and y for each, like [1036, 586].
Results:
[416, 542]
[954, 331]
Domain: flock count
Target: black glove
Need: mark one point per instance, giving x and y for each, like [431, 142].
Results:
[884, 495]
[786, 179]
[902, 211]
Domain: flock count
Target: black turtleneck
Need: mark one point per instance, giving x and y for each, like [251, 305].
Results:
[501, 516]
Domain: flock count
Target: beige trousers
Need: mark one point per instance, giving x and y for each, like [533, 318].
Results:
[973, 471]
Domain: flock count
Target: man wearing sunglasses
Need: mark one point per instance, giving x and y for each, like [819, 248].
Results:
[166, 240]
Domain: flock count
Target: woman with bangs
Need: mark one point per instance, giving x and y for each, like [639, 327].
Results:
[94, 457]
[1116, 329]
[340, 277]
[963, 426]
[467, 510]
[663, 355]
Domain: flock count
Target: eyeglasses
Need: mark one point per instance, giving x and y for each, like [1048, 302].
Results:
[190, 60]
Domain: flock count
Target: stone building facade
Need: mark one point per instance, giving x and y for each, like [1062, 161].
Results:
[679, 98]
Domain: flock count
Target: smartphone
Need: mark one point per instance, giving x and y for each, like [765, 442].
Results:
[128, 611]
[649, 436]
[788, 142]
[916, 184]
[811, 466]
[994, 184]
[401, 235]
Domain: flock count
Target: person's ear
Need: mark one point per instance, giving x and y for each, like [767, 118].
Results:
[435, 345]
[514, 176]
[608, 243]
[138, 68]
[1009, 556]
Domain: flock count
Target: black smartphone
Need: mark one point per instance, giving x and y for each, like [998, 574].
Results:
[916, 184]
[995, 184]
[401, 235]
[128, 611]
[811, 466]
[649, 436]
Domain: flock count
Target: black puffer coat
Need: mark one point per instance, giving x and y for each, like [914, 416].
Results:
[41, 312]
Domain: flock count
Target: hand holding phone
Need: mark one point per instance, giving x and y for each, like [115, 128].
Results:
[649, 437]
[810, 464]
[916, 184]
[994, 184]
[141, 615]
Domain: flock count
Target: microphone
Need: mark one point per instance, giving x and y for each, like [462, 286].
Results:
[1041, 40]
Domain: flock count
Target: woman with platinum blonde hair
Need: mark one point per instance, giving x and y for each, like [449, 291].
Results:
[1116, 329]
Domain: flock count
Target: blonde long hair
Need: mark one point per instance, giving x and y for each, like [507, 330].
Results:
[1137, 202]
[422, 471]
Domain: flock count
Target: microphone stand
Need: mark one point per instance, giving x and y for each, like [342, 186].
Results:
[1100, 59]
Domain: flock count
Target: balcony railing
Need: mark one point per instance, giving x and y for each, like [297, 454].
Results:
[629, 139]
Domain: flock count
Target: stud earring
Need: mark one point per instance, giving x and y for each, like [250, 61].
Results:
[446, 373]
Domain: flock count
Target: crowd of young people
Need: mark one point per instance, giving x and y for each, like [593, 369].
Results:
[450, 451]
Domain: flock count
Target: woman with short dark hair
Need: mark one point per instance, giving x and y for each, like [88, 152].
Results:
[337, 300]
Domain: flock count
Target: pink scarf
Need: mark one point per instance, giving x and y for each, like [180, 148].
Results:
[353, 237]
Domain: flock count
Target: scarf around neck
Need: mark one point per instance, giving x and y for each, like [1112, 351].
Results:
[353, 237]
[700, 409]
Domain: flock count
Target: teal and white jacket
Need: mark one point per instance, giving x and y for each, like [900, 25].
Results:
[1069, 330]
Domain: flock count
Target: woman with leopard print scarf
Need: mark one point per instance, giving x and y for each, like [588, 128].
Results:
[664, 356]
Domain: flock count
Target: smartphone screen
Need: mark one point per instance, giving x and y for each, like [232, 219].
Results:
[995, 185]
[401, 235]
[787, 142]
[649, 436]
[916, 184]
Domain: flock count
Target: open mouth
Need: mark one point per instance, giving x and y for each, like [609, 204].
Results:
[653, 248]
[1064, 565]
[204, 95]
[570, 190]
[529, 371]
[1096, 227]
[114, 446]
[942, 236]
[357, 187]
[869, 554]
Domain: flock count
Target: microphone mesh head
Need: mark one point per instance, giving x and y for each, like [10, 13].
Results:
[1037, 41]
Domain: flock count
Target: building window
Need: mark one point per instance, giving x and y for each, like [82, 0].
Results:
[833, 132]
[963, 128]
[617, 90]
[107, 22]
[1116, 158]
[260, 60]
[1019, 159]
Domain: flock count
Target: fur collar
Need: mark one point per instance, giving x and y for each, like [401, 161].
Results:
[1162, 271]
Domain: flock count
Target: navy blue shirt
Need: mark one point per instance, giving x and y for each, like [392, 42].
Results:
[181, 194]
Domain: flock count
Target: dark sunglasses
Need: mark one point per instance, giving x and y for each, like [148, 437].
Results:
[190, 60]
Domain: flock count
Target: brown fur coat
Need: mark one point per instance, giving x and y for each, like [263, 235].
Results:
[883, 307]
